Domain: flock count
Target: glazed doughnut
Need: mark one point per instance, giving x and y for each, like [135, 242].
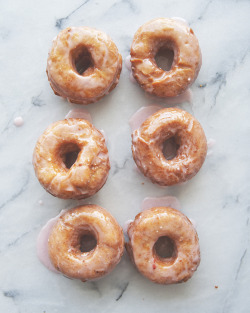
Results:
[148, 141]
[83, 65]
[65, 243]
[169, 34]
[57, 174]
[144, 233]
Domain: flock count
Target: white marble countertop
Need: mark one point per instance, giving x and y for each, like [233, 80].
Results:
[217, 198]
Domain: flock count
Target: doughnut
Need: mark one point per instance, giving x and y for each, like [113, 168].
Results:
[71, 159]
[83, 65]
[154, 36]
[148, 143]
[67, 253]
[152, 233]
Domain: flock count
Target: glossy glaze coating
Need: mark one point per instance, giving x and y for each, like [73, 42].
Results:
[100, 77]
[90, 170]
[148, 140]
[64, 243]
[174, 35]
[143, 233]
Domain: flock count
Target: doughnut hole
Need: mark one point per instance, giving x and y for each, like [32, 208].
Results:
[84, 239]
[82, 61]
[164, 249]
[164, 58]
[170, 148]
[88, 242]
[68, 154]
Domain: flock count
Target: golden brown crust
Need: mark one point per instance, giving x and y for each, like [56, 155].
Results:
[172, 34]
[99, 79]
[64, 243]
[143, 233]
[90, 170]
[147, 142]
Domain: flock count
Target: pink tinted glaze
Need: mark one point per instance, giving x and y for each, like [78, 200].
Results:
[141, 115]
[180, 19]
[193, 222]
[126, 224]
[211, 142]
[42, 243]
[136, 169]
[104, 135]
[18, 121]
[79, 113]
[127, 62]
[167, 201]
[131, 78]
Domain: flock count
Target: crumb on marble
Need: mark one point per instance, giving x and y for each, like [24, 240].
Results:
[142, 183]
[216, 287]
[202, 85]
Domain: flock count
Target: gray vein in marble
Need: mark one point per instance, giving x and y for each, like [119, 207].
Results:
[11, 293]
[231, 291]
[60, 21]
[231, 199]
[124, 288]
[130, 4]
[203, 11]
[116, 167]
[95, 287]
[220, 79]
[18, 239]
[241, 261]
[17, 193]
[38, 101]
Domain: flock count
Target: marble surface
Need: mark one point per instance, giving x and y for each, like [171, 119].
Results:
[217, 198]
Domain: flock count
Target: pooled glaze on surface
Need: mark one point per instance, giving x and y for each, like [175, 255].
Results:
[79, 113]
[180, 19]
[172, 34]
[64, 243]
[167, 201]
[96, 81]
[141, 115]
[127, 62]
[151, 202]
[42, 243]
[148, 140]
[90, 170]
[18, 121]
[147, 228]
